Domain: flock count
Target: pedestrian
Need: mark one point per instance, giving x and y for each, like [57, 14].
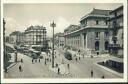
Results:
[45, 62]
[39, 59]
[91, 56]
[83, 56]
[58, 70]
[32, 61]
[79, 58]
[20, 68]
[22, 60]
[50, 59]
[76, 59]
[91, 73]
[103, 77]
[56, 65]
[68, 66]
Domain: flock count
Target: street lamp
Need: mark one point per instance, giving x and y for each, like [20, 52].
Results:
[53, 25]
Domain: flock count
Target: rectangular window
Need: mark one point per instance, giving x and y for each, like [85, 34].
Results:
[97, 22]
[106, 23]
[97, 34]
[106, 34]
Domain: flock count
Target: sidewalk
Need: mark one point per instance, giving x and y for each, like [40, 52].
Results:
[63, 69]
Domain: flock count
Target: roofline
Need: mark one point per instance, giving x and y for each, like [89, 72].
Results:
[94, 15]
[121, 7]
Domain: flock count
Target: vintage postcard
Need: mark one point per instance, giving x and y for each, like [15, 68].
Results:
[63, 41]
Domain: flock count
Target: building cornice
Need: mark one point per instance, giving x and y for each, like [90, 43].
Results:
[88, 27]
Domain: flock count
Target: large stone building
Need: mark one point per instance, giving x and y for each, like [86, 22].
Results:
[91, 34]
[35, 35]
[116, 33]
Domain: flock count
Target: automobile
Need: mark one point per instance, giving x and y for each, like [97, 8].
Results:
[68, 55]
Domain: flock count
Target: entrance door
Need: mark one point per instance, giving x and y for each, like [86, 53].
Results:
[106, 45]
[97, 46]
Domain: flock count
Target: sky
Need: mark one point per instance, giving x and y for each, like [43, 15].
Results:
[20, 16]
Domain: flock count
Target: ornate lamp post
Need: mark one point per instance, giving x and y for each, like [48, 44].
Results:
[53, 25]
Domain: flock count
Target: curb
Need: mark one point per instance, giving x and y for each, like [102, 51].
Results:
[13, 64]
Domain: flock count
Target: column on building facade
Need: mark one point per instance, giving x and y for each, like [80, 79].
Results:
[84, 34]
[86, 39]
[82, 40]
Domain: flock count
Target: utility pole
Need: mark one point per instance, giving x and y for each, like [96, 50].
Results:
[53, 25]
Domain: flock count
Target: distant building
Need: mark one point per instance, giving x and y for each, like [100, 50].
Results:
[59, 39]
[91, 35]
[35, 35]
[13, 37]
[116, 35]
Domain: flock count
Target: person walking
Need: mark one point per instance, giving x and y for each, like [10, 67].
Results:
[79, 58]
[76, 59]
[91, 56]
[50, 59]
[45, 61]
[22, 60]
[39, 59]
[68, 66]
[32, 61]
[58, 70]
[91, 73]
[103, 77]
[20, 68]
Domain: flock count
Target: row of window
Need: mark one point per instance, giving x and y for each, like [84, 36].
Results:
[97, 22]
[97, 34]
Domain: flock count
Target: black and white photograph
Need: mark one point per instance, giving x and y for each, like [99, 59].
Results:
[64, 41]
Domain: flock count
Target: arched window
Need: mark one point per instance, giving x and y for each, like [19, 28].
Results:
[106, 45]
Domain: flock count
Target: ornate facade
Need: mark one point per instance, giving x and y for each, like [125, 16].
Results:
[116, 35]
[91, 34]
[35, 35]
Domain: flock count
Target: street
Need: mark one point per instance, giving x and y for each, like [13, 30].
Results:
[80, 69]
